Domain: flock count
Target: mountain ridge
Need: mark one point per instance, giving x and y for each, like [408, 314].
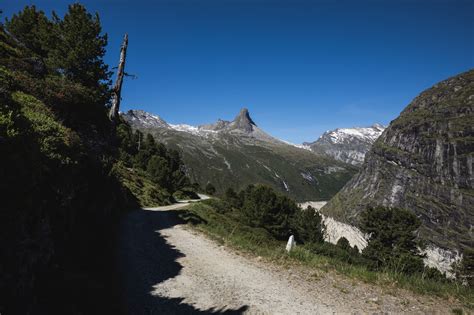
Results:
[237, 153]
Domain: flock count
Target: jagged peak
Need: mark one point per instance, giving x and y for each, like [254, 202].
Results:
[243, 121]
[244, 116]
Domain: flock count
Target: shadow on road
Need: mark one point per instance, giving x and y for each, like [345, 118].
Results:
[146, 259]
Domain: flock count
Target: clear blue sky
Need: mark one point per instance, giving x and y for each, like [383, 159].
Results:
[301, 67]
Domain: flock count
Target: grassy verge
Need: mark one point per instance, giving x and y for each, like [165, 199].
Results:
[145, 191]
[227, 230]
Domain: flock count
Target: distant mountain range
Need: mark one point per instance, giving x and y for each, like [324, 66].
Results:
[348, 145]
[237, 153]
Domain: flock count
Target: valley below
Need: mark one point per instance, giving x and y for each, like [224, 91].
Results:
[166, 266]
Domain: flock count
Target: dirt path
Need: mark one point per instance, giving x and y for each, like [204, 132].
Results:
[170, 269]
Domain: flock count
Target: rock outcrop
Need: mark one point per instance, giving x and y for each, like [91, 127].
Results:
[422, 162]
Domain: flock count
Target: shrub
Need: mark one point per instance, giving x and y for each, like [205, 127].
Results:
[334, 251]
[219, 206]
[308, 226]
[210, 189]
[263, 207]
[232, 198]
[344, 243]
[185, 193]
[392, 239]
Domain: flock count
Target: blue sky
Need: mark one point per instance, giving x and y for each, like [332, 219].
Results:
[301, 67]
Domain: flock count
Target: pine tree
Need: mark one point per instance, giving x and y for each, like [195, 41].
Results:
[232, 198]
[32, 29]
[392, 239]
[159, 171]
[80, 49]
[263, 207]
[308, 226]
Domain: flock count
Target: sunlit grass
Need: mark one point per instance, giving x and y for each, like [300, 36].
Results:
[258, 242]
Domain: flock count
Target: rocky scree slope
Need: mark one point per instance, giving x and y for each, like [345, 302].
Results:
[348, 145]
[237, 153]
[422, 162]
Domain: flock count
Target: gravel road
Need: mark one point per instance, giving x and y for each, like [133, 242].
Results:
[167, 268]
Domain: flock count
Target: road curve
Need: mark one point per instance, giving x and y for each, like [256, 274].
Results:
[169, 269]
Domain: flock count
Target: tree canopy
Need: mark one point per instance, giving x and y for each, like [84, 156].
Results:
[392, 238]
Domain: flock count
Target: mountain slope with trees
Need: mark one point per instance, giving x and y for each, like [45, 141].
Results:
[63, 165]
[234, 154]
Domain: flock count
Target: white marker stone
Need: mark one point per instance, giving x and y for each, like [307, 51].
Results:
[291, 243]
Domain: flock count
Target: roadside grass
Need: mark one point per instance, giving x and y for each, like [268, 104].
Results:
[226, 230]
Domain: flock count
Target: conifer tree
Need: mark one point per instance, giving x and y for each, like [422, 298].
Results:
[392, 239]
[32, 29]
[308, 225]
[80, 49]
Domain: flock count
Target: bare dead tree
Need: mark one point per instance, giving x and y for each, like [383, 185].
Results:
[117, 90]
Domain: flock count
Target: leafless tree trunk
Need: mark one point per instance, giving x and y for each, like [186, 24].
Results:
[117, 90]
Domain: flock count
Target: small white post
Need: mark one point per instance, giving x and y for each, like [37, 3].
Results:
[291, 243]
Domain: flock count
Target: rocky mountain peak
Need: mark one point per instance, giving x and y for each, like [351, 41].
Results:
[243, 121]
[144, 119]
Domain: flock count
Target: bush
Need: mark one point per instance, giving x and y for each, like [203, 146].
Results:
[263, 207]
[159, 171]
[343, 243]
[232, 198]
[185, 194]
[308, 226]
[210, 189]
[219, 206]
[434, 274]
[334, 251]
[392, 241]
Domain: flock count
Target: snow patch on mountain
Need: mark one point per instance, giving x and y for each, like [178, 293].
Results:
[347, 144]
[341, 135]
[185, 128]
[300, 146]
[197, 131]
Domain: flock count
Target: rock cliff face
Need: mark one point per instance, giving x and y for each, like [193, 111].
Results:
[422, 162]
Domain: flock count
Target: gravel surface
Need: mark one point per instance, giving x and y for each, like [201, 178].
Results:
[168, 268]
